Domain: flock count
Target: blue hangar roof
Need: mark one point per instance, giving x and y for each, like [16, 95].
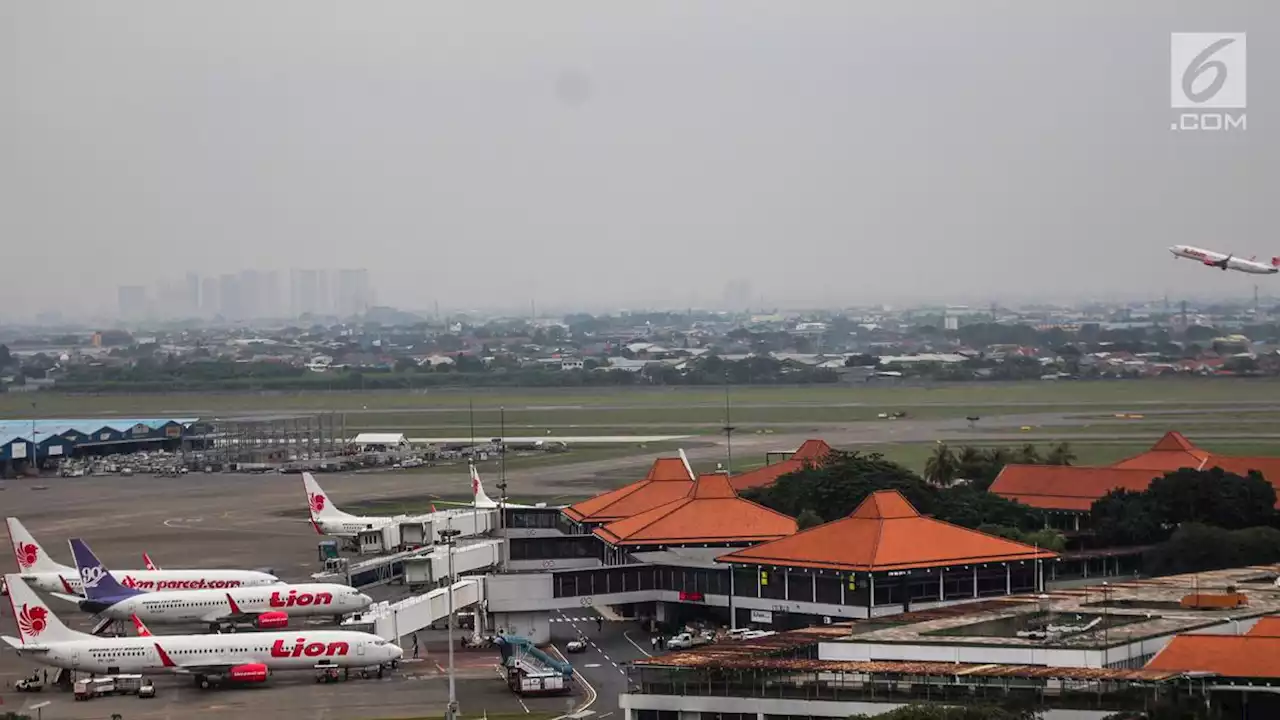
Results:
[11, 430]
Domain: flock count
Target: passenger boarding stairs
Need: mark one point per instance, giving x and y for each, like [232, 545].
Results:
[519, 654]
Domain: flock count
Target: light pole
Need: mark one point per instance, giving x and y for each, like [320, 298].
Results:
[448, 537]
[502, 486]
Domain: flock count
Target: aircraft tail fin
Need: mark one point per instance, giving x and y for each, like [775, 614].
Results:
[36, 623]
[1275, 262]
[140, 627]
[482, 500]
[687, 467]
[318, 501]
[146, 559]
[31, 557]
[98, 582]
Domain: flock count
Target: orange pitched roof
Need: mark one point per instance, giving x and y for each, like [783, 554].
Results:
[810, 451]
[1237, 656]
[668, 480]
[1268, 626]
[1066, 487]
[1171, 452]
[1057, 487]
[885, 533]
[711, 512]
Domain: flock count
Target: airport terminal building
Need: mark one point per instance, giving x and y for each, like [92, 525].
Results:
[675, 547]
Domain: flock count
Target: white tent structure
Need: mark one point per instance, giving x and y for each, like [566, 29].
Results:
[380, 442]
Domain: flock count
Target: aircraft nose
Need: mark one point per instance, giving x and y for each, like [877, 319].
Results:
[364, 599]
[397, 652]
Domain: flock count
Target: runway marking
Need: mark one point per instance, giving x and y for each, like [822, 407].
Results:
[592, 665]
[627, 635]
[521, 701]
[594, 695]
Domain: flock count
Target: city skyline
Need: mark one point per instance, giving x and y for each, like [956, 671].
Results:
[249, 295]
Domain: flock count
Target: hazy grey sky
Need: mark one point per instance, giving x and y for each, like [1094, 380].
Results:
[627, 153]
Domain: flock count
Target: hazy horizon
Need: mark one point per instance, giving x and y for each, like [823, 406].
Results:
[609, 155]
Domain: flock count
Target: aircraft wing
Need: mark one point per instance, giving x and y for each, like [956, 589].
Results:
[77, 599]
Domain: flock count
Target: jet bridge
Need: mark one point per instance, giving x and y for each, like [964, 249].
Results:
[392, 621]
[427, 566]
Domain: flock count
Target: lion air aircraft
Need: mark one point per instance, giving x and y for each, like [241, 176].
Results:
[240, 657]
[40, 570]
[327, 519]
[1226, 262]
[266, 607]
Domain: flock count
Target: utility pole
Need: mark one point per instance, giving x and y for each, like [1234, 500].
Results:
[448, 537]
[728, 433]
[502, 486]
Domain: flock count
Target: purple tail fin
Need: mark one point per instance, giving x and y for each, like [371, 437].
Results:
[99, 583]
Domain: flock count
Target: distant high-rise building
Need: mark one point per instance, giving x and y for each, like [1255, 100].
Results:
[354, 295]
[229, 306]
[209, 297]
[132, 301]
[737, 295]
[249, 285]
[304, 292]
[270, 294]
[192, 306]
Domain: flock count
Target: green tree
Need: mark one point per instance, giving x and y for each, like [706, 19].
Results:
[1060, 454]
[6, 359]
[836, 485]
[1123, 517]
[940, 468]
[1027, 455]
[1214, 497]
[808, 519]
[1195, 548]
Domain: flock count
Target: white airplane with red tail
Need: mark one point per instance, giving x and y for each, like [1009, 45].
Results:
[238, 657]
[1227, 261]
[42, 572]
[268, 607]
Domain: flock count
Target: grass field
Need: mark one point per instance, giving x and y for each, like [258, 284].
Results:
[1155, 392]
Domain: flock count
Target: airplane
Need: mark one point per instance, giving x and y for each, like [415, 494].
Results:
[266, 607]
[41, 571]
[243, 658]
[327, 519]
[1226, 262]
[480, 500]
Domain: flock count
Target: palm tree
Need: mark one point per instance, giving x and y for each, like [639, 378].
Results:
[940, 469]
[1061, 454]
[1027, 455]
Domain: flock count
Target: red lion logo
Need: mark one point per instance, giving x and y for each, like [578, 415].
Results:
[27, 553]
[317, 502]
[33, 621]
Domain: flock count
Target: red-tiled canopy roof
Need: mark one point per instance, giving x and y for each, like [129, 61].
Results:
[1233, 656]
[711, 513]
[1055, 487]
[1063, 487]
[1268, 626]
[885, 533]
[811, 451]
[668, 480]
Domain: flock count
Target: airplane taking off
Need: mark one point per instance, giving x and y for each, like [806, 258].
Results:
[42, 572]
[239, 657]
[266, 607]
[1226, 262]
